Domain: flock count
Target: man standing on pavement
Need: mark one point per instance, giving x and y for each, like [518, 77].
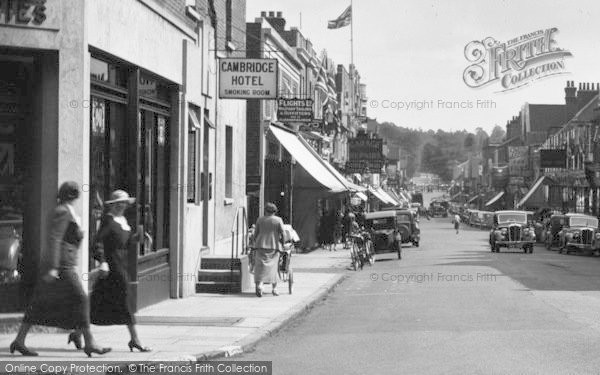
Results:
[456, 222]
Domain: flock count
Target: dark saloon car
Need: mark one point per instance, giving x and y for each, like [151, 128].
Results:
[383, 226]
[512, 230]
[580, 233]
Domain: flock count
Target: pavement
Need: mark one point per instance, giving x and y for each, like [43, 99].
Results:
[203, 326]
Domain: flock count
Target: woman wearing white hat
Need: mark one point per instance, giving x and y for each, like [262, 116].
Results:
[110, 302]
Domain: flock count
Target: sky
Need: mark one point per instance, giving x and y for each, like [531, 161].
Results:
[411, 53]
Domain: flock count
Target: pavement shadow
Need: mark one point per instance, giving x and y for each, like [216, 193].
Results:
[542, 270]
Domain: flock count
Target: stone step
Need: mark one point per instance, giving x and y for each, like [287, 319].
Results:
[208, 263]
[219, 275]
[222, 287]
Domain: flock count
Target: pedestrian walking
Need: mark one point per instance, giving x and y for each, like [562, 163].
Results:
[59, 299]
[110, 300]
[329, 230]
[268, 242]
[456, 222]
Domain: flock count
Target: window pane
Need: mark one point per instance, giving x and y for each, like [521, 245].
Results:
[228, 161]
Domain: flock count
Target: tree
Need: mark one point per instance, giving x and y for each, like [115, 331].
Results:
[498, 134]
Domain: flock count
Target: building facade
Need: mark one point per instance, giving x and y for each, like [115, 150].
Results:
[150, 126]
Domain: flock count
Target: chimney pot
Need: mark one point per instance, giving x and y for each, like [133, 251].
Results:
[271, 14]
[279, 14]
[580, 86]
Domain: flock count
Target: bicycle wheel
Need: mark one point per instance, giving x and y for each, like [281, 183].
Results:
[290, 280]
[355, 256]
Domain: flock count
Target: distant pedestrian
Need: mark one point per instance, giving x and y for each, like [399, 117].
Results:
[456, 222]
[268, 241]
[59, 299]
[110, 300]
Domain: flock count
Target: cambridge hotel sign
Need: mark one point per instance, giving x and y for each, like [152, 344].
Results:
[242, 78]
[41, 14]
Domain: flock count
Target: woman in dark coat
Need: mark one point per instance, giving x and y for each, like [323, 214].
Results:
[110, 302]
[59, 299]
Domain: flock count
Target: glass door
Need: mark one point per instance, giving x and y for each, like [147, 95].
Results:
[154, 181]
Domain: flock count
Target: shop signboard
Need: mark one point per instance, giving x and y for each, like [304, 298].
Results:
[365, 152]
[553, 158]
[242, 78]
[517, 159]
[295, 110]
[39, 14]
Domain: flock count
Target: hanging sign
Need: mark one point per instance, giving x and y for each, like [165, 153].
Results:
[241, 78]
[295, 110]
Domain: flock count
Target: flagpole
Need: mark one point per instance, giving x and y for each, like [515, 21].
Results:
[352, 57]
[351, 33]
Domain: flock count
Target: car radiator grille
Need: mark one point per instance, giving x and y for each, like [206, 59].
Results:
[587, 236]
[514, 233]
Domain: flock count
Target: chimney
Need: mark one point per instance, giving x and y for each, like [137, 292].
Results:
[277, 21]
[571, 99]
[263, 14]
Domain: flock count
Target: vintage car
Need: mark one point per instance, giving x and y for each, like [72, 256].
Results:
[511, 230]
[408, 225]
[383, 227]
[580, 233]
[438, 209]
[552, 231]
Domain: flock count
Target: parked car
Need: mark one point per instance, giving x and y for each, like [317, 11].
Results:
[580, 233]
[487, 219]
[553, 229]
[511, 230]
[384, 229]
[408, 225]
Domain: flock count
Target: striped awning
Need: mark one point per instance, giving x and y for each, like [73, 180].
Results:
[494, 199]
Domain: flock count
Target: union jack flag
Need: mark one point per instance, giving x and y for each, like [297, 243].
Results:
[343, 20]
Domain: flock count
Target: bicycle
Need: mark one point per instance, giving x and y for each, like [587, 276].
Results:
[284, 269]
[361, 251]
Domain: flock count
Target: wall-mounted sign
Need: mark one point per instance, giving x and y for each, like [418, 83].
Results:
[241, 78]
[365, 152]
[43, 14]
[553, 158]
[499, 176]
[295, 110]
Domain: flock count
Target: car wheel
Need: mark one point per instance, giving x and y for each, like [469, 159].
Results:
[525, 249]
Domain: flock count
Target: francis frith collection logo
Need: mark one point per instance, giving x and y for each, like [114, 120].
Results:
[514, 63]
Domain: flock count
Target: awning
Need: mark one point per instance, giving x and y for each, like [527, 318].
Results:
[531, 191]
[405, 195]
[494, 199]
[472, 199]
[362, 196]
[378, 195]
[208, 122]
[347, 184]
[194, 119]
[389, 199]
[308, 159]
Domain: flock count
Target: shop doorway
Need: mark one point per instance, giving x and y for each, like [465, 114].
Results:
[130, 138]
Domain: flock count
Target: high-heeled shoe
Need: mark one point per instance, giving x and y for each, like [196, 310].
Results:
[133, 344]
[258, 292]
[89, 350]
[76, 339]
[21, 349]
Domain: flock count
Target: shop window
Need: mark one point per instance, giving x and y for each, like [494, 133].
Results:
[149, 87]
[194, 128]
[228, 161]
[102, 71]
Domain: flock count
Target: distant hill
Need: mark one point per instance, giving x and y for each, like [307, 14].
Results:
[432, 151]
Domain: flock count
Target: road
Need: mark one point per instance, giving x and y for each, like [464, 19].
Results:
[451, 307]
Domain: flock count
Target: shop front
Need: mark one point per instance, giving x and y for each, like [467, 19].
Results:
[86, 96]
